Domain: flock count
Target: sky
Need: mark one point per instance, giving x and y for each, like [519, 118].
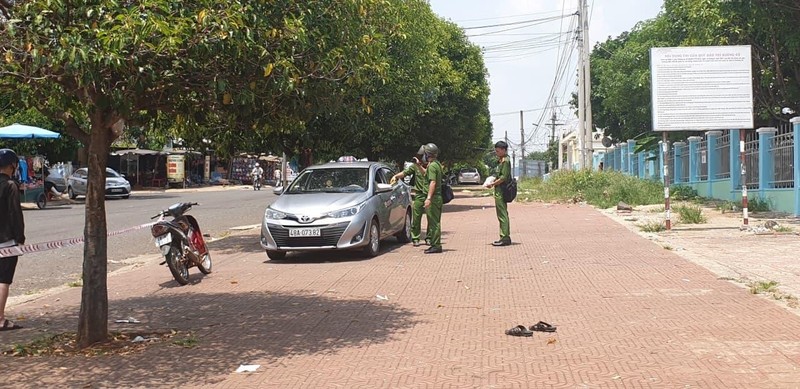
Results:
[525, 57]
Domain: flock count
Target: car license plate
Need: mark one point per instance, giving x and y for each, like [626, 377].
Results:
[116, 190]
[304, 232]
[163, 240]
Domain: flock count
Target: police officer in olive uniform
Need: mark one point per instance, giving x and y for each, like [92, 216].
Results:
[503, 175]
[420, 192]
[433, 197]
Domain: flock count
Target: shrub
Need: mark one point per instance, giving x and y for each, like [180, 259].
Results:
[602, 189]
[691, 214]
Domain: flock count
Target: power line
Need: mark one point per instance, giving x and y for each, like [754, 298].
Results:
[507, 17]
[529, 21]
[517, 112]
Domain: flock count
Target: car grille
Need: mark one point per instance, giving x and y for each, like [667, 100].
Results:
[330, 236]
[116, 191]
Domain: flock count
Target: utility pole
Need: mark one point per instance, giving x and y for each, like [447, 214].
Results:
[522, 146]
[581, 89]
[553, 125]
[513, 157]
[585, 90]
[587, 82]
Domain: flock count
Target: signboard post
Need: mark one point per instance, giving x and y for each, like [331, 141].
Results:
[175, 168]
[701, 88]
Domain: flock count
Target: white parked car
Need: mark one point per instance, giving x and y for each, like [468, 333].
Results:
[469, 176]
[116, 185]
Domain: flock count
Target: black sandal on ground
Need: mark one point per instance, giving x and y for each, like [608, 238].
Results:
[519, 330]
[543, 327]
[8, 326]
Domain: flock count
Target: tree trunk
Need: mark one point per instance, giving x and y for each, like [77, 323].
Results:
[93, 320]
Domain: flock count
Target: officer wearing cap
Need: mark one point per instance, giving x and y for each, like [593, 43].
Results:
[433, 198]
[12, 229]
[503, 175]
[417, 169]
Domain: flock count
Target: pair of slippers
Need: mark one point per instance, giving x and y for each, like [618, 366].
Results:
[8, 326]
[521, 330]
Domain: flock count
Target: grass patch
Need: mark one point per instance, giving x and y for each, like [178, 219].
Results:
[76, 284]
[602, 189]
[189, 341]
[652, 226]
[683, 193]
[726, 206]
[763, 287]
[668, 247]
[783, 229]
[691, 214]
[758, 204]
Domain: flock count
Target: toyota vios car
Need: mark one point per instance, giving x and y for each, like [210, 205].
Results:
[339, 205]
[116, 185]
[469, 176]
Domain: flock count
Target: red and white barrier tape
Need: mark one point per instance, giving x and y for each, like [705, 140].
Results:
[57, 244]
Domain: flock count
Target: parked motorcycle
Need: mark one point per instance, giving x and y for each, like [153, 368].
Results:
[181, 242]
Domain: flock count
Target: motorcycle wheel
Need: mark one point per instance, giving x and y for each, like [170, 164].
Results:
[205, 265]
[177, 266]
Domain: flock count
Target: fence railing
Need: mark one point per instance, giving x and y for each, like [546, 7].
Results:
[702, 149]
[684, 163]
[782, 148]
[772, 163]
[751, 158]
[723, 155]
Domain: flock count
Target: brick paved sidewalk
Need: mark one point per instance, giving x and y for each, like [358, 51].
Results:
[629, 314]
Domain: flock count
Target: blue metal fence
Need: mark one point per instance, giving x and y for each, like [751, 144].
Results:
[771, 168]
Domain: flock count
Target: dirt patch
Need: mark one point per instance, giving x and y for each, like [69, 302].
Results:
[65, 344]
[763, 252]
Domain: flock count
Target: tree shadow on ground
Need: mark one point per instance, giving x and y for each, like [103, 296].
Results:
[333, 256]
[450, 208]
[247, 242]
[230, 329]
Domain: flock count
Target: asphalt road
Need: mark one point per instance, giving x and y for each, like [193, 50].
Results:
[218, 212]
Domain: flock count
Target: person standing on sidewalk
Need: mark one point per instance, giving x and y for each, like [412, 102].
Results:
[503, 175]
[433, 198]
[12, 230]
[420, 192]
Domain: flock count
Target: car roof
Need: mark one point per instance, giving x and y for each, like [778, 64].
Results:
[353, 165]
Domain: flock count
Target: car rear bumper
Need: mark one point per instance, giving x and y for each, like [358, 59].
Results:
[469, 180]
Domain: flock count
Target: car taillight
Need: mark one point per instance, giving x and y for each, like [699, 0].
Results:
[159, 229]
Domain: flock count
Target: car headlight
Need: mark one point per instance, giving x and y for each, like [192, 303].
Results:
[274, 215]
[347, 212]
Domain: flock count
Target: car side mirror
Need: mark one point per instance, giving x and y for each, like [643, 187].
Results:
[278, 190]
[383, 188]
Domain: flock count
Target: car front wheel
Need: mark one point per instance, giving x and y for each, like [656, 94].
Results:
[71, 192]
[374, 240]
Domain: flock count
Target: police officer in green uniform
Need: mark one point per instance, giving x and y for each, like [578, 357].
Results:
[503, 175]
[420, 193]
[433, 198]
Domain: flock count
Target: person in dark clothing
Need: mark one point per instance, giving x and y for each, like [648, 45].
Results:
[12, 230]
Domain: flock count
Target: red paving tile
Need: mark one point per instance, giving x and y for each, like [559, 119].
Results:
[630, 315]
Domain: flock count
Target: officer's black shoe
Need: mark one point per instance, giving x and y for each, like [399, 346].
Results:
[433, 250]
[502, 242]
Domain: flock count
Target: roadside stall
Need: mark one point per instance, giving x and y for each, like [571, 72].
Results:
[31, 168]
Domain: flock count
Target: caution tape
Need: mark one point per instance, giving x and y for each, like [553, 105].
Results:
[57, 244]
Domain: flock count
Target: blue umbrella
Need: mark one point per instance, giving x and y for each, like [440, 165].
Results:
[20, 131]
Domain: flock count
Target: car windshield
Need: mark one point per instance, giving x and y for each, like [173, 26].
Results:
[469, 170]
[111, 174]
[334, 180]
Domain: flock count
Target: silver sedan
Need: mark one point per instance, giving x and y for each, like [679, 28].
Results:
[340, 205]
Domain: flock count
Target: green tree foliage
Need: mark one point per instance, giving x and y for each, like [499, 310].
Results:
[621, 98]
[375, 77]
